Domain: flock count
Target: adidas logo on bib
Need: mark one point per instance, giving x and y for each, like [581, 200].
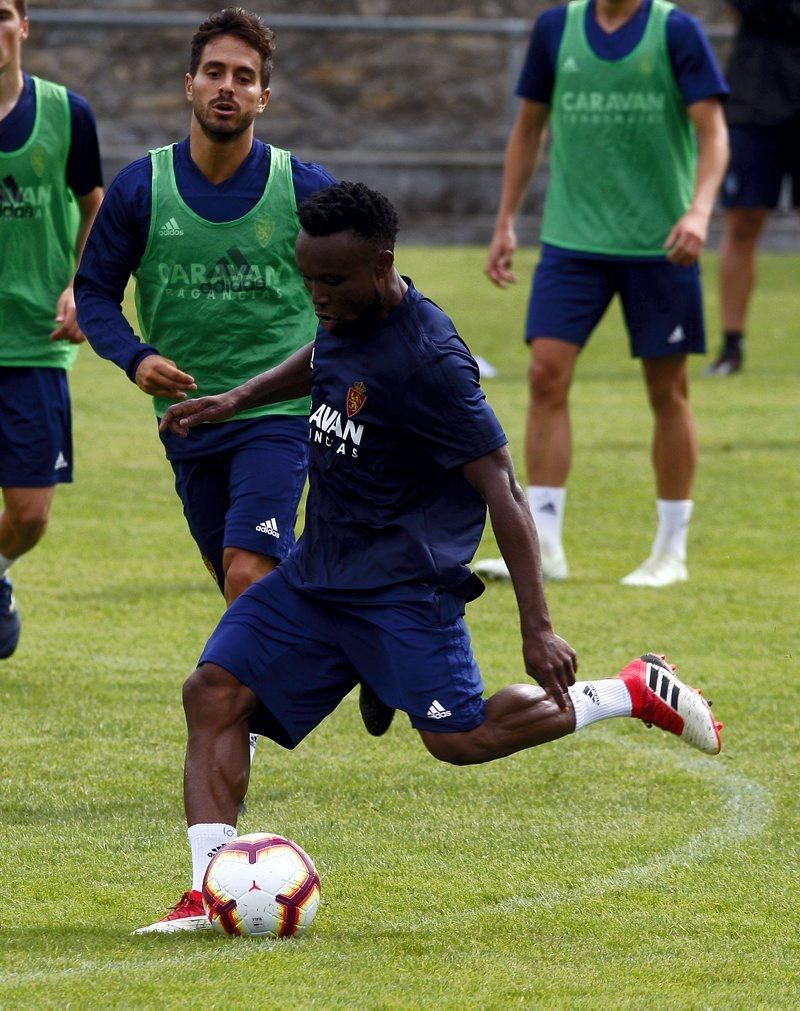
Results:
[170, 227]
[269, 527]
[570, 65]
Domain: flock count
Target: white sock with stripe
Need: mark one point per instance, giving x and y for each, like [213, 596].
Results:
[205, 839]
[547, 506]
[599, 700]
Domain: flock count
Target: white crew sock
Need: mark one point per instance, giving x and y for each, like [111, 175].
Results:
[4, 564]
[253, 743]
[599, 700]
[205, 839]
[673, 527]
[547, 507]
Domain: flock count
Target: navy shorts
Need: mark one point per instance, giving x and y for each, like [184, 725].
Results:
[35, 428]
[301, 655]
[662, 303]
[762, 157]
[246, 496]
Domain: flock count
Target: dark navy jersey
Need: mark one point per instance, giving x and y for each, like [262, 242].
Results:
[83, 173]
[118, 240]
[696, 70]
[395, 414]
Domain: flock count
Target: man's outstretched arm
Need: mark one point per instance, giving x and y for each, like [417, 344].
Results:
[548, 658]
[290, 379]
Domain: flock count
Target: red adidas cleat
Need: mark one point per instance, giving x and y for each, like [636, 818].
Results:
[187, 914]
[661, 699]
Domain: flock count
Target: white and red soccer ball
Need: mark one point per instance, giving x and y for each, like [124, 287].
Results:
[261, 885]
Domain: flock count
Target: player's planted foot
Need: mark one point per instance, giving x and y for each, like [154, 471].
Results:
[9, 620]
[555, 568]
[187, 914]
[660, 699]
[659, 570]
[376, 715]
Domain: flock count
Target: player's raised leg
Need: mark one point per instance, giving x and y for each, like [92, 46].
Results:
[523, 716]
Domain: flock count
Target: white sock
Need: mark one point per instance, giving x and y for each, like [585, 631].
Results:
[547, 506]
[205, 839]
[4, 564]
[599, 700]
[673, 527]
[253, 743]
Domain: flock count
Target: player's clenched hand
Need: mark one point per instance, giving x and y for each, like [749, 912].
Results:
[500, 256]
[161, 377]
[686, 240]
[552, 662]
[181, 417]
[67, 329]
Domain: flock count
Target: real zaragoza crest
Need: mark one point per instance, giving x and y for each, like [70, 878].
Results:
[264, 229]
[356, 398]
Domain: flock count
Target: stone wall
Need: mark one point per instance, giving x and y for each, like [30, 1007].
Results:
[422, 115]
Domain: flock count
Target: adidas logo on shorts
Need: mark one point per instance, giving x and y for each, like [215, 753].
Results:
[269, 527]
[170, 227]
[437, 711]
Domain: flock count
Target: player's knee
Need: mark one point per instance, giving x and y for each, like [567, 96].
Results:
[29, 522]
[548, 383]
[744, 225]
[212, 695]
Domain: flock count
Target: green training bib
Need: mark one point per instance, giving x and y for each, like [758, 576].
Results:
[225, 301]
[623, 157]
[39, 221]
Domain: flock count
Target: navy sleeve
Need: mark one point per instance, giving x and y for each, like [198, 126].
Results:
[84, 173]
[693, 62]
[308, 177]
[446, 408]
[537, 79]
[113, 252]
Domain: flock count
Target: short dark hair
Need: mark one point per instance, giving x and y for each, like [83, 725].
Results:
[21, 7]
[244, 25]
[350, 207]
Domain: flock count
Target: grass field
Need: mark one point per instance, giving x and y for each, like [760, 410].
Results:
[612, 869]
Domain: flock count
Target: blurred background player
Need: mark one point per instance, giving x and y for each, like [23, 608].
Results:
[406, 457]
[50, 189]
[207, 227]
[763, 113]
[630, 89]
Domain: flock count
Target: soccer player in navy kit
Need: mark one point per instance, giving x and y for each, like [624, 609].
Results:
[50, 189]
[207, 227]
[626, 88]
[405, 457]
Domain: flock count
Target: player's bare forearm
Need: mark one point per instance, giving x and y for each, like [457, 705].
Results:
[66, 315]
[548, 658]
[290, 379]
[522, 155]
[685, 242]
